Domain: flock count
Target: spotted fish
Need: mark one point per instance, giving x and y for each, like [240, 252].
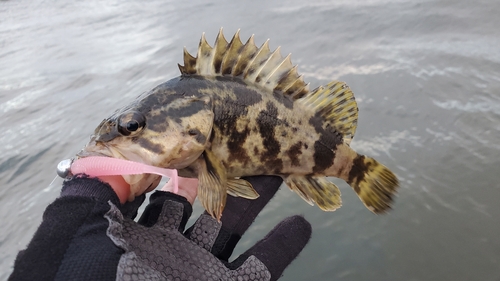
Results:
[241, 110]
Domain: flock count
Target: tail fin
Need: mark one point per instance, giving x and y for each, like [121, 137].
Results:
[374, 183]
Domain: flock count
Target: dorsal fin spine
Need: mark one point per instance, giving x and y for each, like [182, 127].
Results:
[247, 51]
[189, 63]
[231, 54]
[301, 91]
[287, 81]
[181, 68]
[251, 71]
[219, 51]
[285, 63]
[254, 65]
[204, 59]
[271, 63]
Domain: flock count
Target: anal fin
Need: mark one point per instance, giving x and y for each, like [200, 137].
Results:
[212, 188]
[241, 188]
[316, 190]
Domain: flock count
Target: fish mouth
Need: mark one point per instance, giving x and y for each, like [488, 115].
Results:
[84, 153]
[139, 183]
[94, 148]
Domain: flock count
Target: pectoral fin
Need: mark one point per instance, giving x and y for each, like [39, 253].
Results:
[316, 190]
[241, 188]
[212, 188]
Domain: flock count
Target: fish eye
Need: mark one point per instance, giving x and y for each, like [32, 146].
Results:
[131, 123]
[132, 126]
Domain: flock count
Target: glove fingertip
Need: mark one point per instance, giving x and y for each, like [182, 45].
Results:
[281, 245]
[294, 233]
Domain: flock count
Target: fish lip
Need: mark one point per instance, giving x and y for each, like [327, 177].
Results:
[103, 150]
[84, 153]
[94, 148]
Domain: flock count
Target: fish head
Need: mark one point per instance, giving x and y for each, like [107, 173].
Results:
[169, 136]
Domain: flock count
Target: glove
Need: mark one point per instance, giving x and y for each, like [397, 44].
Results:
[157, 249]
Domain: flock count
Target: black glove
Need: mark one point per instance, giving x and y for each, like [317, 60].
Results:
[156, 248]
[87, 235]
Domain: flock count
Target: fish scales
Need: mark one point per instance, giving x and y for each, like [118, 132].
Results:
[262, 134]
[238, 110]
[253, 132]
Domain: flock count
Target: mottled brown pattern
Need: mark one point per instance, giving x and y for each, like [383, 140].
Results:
[147, 144]
[325, 145]
[191, 107]
[323, 156]
[157, 122]
[235, 146]
[284, 100]
[198, 136]
[267, 121]
[294, 151]
[358, 171]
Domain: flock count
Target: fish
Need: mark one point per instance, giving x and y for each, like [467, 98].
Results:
[240, 110]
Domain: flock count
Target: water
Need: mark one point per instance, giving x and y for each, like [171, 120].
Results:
[426, 75]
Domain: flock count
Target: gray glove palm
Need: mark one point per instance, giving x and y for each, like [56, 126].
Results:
[157, 249]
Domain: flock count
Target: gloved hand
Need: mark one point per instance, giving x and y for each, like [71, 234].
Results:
[86, 234]
[156, 248]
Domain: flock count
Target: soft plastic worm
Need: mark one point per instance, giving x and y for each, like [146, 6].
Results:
[106, 166]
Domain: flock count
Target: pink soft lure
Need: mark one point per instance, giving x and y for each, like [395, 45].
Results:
[95, 166]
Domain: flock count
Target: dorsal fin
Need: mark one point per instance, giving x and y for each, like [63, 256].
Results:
[270, 70]
[255, 65]
[336, 104]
